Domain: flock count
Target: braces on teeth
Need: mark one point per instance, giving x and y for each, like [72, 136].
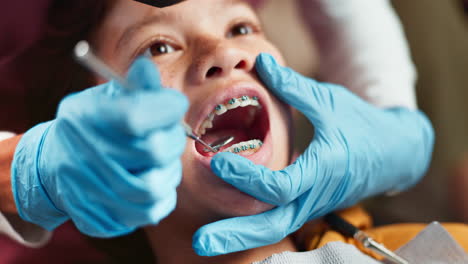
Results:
[247, 147]
[223, 108]
[251, 145]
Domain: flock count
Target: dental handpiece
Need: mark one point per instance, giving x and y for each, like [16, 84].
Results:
[86, 57]
[349, 230]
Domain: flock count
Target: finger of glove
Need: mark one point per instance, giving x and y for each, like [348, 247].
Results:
[167, 145]
[144, 75]
[231, 235]
[274, 187]
[116, 217]
[104, 211]
[98, 227]
[158, 149]
[95, 212]
[162, 181]
[141, 113]
[306, 95]
[105, 180]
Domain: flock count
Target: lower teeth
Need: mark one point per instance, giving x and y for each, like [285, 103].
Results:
[253, 146]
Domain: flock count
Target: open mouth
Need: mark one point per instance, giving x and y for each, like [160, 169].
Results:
[243, 118]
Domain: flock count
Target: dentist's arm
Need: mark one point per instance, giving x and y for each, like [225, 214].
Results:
[358, 150]
[103, 162]
[8, 142]
[362, 46]
[11, 224]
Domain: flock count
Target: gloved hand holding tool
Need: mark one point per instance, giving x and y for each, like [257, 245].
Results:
[357, 151]
[110, 161]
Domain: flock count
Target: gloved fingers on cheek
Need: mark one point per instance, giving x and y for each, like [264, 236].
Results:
[166, 145]
[302, 174]
[230, 235]
[283, 81]
[273, 187]
[226, 236]
[302, 93]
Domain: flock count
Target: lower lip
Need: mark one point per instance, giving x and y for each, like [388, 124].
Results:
[260, 157]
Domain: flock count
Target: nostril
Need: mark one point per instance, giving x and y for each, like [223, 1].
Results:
[213, 71]
[241, 65]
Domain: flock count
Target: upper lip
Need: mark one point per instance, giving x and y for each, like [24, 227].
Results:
[235, 90]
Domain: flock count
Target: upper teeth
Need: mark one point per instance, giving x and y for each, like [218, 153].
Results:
[223, 108]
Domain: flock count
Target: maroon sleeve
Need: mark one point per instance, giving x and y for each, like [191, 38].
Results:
[21, 24]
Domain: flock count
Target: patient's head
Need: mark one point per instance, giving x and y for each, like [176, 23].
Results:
[206, 49]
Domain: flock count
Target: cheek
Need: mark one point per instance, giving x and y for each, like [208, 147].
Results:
[278, 56]
[172, 75]
[282, 131]
[271, 49]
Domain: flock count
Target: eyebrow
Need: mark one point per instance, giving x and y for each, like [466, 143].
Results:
[161, 16]
[153, 19]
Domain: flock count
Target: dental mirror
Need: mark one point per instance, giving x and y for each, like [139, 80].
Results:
[220, 143]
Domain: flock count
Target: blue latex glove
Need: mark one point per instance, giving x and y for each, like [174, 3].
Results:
[358, 150]
[110, 161]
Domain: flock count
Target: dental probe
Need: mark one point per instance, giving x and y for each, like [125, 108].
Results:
[86, 57]
[190, 134]
[220, 143]
[349, 230]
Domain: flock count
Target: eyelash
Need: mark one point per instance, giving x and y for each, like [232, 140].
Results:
[253, 28]
[158, 40]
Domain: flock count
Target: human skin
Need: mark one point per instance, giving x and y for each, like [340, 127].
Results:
[7, 149]
[206, 49]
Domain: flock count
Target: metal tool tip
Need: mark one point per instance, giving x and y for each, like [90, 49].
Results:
[82, 49]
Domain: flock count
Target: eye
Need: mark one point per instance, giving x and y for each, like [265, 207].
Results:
[241, 29]
[159, 48]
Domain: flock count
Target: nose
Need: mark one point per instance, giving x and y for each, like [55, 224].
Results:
[220, 60]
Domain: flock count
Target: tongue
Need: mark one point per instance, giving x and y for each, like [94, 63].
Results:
[238, 134]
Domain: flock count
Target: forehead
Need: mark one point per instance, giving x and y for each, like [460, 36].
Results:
[134, 11]
[126, 18]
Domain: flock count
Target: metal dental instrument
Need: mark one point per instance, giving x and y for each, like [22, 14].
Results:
[349, 230]
[220, 143]
[86, 57]
[190, 134]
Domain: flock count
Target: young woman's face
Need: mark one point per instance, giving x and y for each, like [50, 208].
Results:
[207, 49]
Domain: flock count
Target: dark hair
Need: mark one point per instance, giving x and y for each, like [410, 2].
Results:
[48, 68]
[50, 73]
